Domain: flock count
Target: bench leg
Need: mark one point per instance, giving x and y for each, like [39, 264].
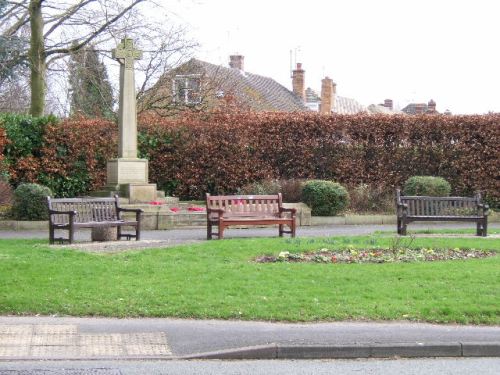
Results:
[51, 234]
[281, 230]
[138, 231]
[399, 226]
[71, 235]
[403, 228]
[482, 228]
[209, 231]
[479, 228]
[221, 231]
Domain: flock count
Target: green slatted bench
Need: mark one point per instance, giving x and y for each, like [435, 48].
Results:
[242, 210]
[70, 214]
[422, 208]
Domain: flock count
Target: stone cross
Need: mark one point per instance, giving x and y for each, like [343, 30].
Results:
[125, 53]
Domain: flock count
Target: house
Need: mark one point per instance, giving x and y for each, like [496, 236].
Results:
[200, 85]
[421, 108]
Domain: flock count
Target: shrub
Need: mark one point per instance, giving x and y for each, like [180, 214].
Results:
[30, 202]
[292, 190]
[427, 185]
[365, 198]
[25, 134]
[6, 193]
[6, 198]
[261, 188]
[326, 198]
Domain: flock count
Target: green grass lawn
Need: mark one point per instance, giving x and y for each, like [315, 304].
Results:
[218, 279]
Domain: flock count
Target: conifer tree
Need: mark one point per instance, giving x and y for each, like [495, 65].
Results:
[90, 90]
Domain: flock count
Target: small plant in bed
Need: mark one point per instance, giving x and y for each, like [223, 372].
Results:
[350, 255]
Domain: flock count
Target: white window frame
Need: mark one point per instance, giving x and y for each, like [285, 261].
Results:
[177, 93]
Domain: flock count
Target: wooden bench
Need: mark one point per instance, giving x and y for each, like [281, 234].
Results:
[228, 210]
[74, 213]
[421, 208]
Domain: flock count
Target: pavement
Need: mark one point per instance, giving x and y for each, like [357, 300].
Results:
[70, 338]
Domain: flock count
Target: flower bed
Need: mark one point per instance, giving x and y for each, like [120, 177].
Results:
[375, 255]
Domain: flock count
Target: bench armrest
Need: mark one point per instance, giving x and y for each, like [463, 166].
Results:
[402, 209]
[293, 211]
[138, 212]
[55, 212]
[71, 215]
[218, 211]
[485, 208]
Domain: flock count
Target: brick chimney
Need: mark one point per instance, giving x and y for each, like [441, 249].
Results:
[237, 62]
[431, 106]
[328, 93]
[419, 108]
[298, 82]
[388, 104]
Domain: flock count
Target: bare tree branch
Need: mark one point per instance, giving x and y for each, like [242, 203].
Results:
[61, 18]
[92, 36]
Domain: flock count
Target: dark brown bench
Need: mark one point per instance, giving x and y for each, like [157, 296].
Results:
[421, 208]
[74, 213]
[229, 210]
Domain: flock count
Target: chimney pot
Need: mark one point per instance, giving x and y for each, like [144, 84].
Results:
[388, 104]
[431, 106]
[328, 93]
[237, 62]
[298, 82]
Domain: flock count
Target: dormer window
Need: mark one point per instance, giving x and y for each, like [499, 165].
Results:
[186, 89]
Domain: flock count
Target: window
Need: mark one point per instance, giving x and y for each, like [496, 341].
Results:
[187, 89]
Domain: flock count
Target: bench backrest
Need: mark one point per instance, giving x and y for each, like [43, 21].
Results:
[87, 209]
[246, 205]
[440, 206]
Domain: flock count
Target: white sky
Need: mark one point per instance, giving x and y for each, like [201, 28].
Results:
[409, 51]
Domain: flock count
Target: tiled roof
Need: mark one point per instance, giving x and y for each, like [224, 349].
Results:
[341, 105]
[258, 92]
[347, 106]
[377, 108]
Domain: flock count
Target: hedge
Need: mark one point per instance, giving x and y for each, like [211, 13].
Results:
[222, 152]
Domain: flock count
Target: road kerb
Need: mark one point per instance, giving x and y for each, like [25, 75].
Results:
[361, 350]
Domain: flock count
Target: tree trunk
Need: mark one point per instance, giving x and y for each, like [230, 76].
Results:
[37, 59]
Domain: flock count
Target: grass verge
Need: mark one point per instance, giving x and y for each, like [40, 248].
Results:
[217, 279]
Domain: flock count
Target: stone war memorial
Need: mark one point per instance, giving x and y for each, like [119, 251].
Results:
[128, 175]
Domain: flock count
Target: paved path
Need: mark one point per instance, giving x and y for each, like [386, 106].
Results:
[181, 235]
[106, 338]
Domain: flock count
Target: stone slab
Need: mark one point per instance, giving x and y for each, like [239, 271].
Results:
[104, 234]
[409, 350]
[327, 220]
[46, 341]
[126, 171]
[323, 352]
[481, 349]
[139, 193]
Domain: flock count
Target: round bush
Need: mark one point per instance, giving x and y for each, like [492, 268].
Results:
[427, 185]
[326, 198]
[30, 202]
